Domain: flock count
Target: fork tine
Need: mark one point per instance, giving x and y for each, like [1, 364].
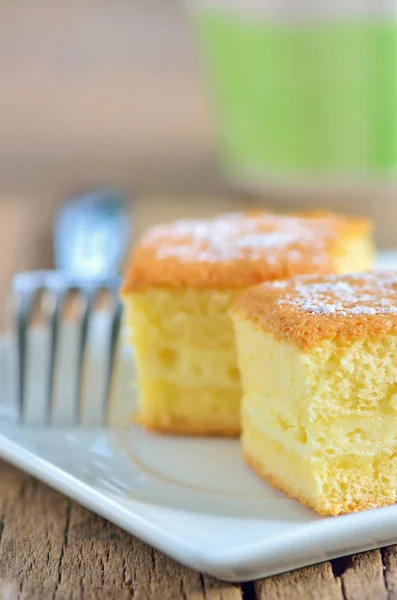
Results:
[88, 294]
[21, 320]
[112, 351]
[54, 321]
[24, 302]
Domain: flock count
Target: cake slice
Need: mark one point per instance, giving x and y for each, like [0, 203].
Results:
[179, 285]
[318, 357]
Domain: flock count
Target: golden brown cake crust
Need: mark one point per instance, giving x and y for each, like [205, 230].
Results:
[310, 309]
[236, 250]
[185, 427]
[321, 507]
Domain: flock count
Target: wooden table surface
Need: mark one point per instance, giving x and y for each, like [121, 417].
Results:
[95, 92]
[52, 548]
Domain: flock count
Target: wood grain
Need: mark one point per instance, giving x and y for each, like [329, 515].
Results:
[389, 560]
[313, 583]
[52, 548]
[363, 578]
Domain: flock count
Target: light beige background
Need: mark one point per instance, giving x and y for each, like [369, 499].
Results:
[102, 89]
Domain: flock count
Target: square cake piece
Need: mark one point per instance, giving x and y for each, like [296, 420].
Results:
[318, 358]
[179, 285]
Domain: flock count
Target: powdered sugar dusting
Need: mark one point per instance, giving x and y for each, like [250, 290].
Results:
[357, 294]
[236, 236]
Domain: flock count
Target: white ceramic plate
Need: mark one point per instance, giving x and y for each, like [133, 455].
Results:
[192, 498]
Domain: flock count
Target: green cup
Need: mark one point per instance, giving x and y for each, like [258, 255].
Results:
[302, 96]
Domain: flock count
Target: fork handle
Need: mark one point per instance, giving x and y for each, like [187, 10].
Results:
[91, 234]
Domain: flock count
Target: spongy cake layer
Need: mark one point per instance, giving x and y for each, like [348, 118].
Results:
[320, 422]
[185, 354]
[236, 250]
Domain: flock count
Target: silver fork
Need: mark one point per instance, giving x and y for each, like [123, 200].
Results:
[90, 238]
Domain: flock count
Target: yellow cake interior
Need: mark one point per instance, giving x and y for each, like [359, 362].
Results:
[321, 424]
[184, 349]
